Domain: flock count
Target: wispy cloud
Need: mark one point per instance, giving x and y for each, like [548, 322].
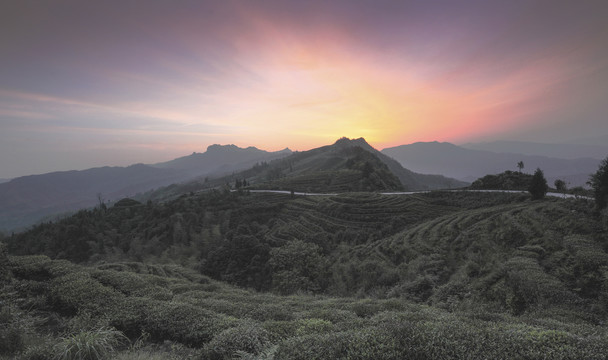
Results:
[288, 73]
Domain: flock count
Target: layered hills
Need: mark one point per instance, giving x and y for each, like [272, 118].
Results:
[469, 164]
[215, 271]
[346, 165]
[28, 199]
[595, 149]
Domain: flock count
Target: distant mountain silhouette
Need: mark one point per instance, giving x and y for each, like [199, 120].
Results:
[221, 159]
[28, 199]
[560, 151]
[468, 164]
[346, 165]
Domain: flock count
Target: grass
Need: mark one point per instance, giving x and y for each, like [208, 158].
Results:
[223, 322]
[95, 344]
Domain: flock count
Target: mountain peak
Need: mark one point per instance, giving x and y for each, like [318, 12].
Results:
[224, 148]
[344, 141]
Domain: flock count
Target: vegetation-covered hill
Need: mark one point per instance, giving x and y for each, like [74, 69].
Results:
[411, 180]
[508, 180]
[345, 166]
[358, 275]
[439, 248]
[341, 167]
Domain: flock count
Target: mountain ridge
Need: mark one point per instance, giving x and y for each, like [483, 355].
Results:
[28, 199]
[468, 164]
[554, 150]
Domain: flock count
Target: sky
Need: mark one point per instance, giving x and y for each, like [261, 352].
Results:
[94, 83]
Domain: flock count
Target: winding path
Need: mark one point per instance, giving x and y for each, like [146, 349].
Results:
[552, 194]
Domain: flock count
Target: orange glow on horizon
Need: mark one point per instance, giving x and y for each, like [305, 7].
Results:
[298, 89]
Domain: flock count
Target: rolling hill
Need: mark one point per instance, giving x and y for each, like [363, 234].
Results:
[346, 165]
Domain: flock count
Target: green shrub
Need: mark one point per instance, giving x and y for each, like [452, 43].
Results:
[313, 326]
[280, 330]
[131, 284]
[185, 323]
[77, 291]
[247, 337]
[30, 267]
[366, 308]
[263, 312]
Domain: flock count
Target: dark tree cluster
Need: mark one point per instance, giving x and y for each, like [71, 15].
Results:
[599, 184]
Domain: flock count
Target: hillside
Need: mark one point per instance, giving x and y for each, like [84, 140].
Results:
[478, 275]
[467, 164]
[26, 200]
[415, 246]
[411, 180]
[508, 180]
[341, 167]
[347, 165]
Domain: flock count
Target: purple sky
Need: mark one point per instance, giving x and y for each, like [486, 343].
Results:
[92, 83]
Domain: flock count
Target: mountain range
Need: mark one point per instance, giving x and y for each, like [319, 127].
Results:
[468, 164]
[28, 199]
[332, 168]
[562, 151]
[347, 165]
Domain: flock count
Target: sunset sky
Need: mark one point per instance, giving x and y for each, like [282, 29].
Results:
[92, 83]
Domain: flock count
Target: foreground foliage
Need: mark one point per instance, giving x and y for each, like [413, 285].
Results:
[89, 344]
[203, 319]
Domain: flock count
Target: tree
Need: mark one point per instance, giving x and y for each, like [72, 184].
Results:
[520, 165]
[297, 266]
[560, 185]
[599, 184]
[538, 185]
[100, 199]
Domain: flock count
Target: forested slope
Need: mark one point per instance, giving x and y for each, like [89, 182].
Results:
[448, 249]
[497, 274]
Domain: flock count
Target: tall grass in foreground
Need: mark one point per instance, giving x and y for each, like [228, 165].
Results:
[90, 344]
